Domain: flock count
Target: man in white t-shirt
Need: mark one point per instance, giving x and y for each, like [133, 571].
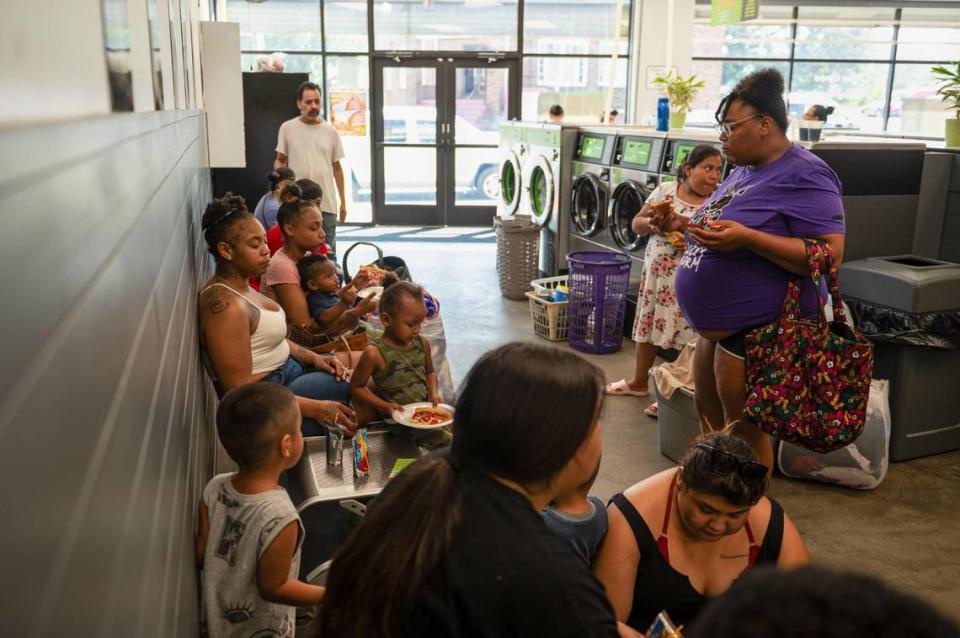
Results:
[311, 147]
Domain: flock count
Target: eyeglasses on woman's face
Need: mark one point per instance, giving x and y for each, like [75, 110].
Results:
[723, 463]
[726, 129]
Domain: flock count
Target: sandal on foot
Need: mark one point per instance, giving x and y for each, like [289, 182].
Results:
[621, 388]
[651, 410]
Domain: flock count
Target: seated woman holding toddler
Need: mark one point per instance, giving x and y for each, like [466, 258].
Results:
[244, 333]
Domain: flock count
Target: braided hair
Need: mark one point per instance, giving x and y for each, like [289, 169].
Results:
[220, 216]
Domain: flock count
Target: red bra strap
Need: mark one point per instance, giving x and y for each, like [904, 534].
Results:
[662, 540]
[754, 548]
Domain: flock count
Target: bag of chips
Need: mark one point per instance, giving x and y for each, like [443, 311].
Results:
[361, 462]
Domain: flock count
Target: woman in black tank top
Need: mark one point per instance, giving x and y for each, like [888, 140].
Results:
[684, 535]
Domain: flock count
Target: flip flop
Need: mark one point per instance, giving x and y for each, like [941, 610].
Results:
[651, 410]
[620, 388]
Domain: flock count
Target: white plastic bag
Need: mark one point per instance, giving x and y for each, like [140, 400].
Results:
[862, 464]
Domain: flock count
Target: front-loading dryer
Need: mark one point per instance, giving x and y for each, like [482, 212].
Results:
[546, 176]
[590, 189]
[513, 151]
[633, 178]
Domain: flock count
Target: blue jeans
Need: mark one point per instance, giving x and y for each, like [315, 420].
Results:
[314, 384]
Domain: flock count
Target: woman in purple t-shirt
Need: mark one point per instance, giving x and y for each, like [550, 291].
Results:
[733, 275]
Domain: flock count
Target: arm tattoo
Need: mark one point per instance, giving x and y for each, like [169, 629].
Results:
[215, 302]
[733, 556]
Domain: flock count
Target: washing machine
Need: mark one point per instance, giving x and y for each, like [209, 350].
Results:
[678, 146]
[636, 161]
[590, 189]
[513, 150]
[634, 176]
[546, 169]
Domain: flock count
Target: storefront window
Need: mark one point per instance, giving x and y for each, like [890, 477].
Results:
[915, 106]
[581, 27]
[455, 25]
[844, 33]
[278, 25]
[766, 37]
[929, 34]
[855, 90]
[842, 57]
[345, 25]
[348, 108]
[720, 77]
[580, 85]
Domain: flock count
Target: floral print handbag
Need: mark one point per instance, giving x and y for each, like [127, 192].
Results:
[808, 380]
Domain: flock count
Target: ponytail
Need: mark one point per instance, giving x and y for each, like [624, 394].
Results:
[278, 175]
[376, 575]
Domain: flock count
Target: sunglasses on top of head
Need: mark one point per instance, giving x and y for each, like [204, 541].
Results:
[723, 463]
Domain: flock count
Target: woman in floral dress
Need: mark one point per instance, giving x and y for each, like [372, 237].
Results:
[659, 323]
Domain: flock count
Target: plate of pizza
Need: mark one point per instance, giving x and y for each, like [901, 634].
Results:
[424, 416]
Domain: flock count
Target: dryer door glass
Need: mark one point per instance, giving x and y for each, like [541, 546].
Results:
[510, 184]
[587, 205]
[541, 191]
[625, 203]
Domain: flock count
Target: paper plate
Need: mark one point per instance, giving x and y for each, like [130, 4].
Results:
[374, 291]
[404, 415]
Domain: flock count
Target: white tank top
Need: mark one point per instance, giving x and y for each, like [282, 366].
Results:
[268, 344]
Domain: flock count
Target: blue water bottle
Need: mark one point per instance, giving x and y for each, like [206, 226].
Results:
[663, 114]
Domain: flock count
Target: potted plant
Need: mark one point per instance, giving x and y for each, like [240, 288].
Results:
[949, 93]
[681, 92]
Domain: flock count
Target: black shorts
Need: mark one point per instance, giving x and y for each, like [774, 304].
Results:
[736, 344]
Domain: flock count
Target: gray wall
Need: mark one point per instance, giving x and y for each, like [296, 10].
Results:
[105, 437]
[938, 212]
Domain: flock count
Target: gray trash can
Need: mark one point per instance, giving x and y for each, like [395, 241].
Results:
[909, 306]
[678, 424]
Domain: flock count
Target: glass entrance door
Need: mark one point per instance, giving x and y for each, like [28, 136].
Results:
[407, 131]
[436, 138]
[480, 103]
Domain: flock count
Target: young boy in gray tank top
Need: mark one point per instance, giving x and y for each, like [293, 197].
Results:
[249, 536]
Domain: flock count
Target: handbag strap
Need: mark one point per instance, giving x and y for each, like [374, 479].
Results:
[820, 254]
[346, 256]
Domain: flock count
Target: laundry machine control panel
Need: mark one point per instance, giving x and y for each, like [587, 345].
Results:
[676, 152]
[595, 148]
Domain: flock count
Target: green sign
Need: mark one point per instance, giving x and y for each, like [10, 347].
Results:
[636, 153]
[591, 147]
[733, 11]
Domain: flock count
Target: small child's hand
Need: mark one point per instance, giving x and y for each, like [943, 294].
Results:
[360, 281]
[393, 407]
[366, 305]
[347, 294]
[434, 398]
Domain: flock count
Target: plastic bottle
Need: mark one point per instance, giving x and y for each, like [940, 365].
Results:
[663, 114]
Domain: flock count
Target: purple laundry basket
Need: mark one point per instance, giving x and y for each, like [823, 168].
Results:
[598, 283]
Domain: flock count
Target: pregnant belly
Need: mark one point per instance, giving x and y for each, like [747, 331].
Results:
[715, 335]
